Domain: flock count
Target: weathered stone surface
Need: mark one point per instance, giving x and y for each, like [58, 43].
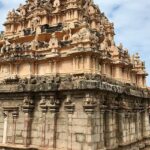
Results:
[65, 85]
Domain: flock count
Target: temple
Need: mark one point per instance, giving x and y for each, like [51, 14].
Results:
[66, 85]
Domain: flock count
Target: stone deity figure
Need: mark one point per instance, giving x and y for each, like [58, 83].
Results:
[53, 43]
[35, 23]
[56, 5]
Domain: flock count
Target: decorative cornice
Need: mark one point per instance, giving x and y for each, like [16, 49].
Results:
[70, 82]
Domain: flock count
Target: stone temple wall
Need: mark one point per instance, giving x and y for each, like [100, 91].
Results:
[77, 119]
[66, 85]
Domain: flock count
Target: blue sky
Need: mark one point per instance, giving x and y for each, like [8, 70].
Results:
[131, 19]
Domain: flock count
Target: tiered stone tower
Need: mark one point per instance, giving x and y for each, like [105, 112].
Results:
[65, 85]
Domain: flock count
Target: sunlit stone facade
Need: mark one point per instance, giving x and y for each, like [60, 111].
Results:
[66, 85]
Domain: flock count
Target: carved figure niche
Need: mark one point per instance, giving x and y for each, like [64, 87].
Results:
[53, 44]
[35, 23]
[56, 5]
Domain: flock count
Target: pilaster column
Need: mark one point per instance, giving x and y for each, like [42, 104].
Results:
[16, 68]
[127, 126]
[93, 64]
[15, 114]
[77, 63]
[5, 127]
[88, 63]
[36, 68]
[145, 123]
[74, 64]
[31, 69]
[69, 107]
[44, 108]
[108, 124]
[132, 127]
[118, 73]
[137, 125]
[97, 66]
[27, 108]
[55, 67]
[110, 129]
[7, 111]
[50, 67]
[54, 109]
[89, 107]
[121, 127]
[102, 127]
[104, 68]
[11, 69]
[82, 62]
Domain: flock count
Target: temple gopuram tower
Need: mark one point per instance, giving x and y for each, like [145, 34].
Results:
[66, 85]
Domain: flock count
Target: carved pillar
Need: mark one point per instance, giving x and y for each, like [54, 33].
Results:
[27, 108]
[82, 62]
[54, 109]
[137, 125]
[31, 69]
[111, 121]
[5, 127]
[88, 63]
[16, 69]
[108, 122]
[55, 67]
[36, 68]
[110, 128]
[132, 127]
[11, 69]
[44, 108]
[89, 107]
[102, 126]
[121, 127]
[104, 68]
[69, 107]
[128, 124]
[76, 15]
[97, 65]
[12, 133]
[74, 64]
[118, 73]
[77, 63]
[145, 123]
[15, 116]
[50, 67]
[93, 64]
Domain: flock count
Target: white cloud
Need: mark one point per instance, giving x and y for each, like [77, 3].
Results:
[131, 19]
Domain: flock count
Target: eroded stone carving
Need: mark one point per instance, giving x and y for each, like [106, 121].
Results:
[69, 105]
[77, 86]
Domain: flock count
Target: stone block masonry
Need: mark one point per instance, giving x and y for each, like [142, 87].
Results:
[74, 120]
[66, 85]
